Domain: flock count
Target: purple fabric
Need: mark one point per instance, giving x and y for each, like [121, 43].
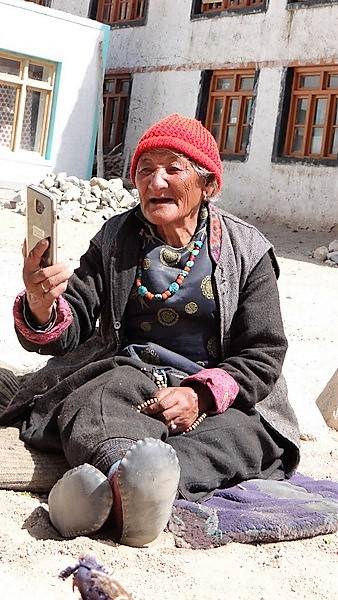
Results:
[258, 511]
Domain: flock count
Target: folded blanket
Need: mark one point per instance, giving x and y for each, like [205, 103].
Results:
[258, 511]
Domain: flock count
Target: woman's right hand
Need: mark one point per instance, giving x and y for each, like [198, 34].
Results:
[43, 284]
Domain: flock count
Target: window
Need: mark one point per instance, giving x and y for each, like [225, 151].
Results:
[312, 127]
[121, 11]
[209, 7]
[116, 94]
[229, 110]
[26, 87]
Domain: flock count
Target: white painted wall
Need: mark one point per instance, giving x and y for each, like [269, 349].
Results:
[173, 50]
[75, 7]
[32, 30]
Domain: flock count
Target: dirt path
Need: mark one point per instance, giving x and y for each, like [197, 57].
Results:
[31, 555]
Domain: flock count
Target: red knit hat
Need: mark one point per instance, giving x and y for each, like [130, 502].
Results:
[184, 135]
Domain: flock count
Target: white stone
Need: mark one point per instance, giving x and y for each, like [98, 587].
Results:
[116, 185]
[320, 253]
[73, 179]
[68, 210]
[333, 256]
[327, 402]
[92, 206]
[72, 193]
[127, 200]
[54, 190]
[102, 183]
[93, 181]
[333, 246]
[48, 182]
[330, 263]
[96, 191]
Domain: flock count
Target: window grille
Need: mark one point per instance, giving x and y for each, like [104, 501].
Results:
[26, 88]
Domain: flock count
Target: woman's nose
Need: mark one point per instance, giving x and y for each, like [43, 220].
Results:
[158, 180]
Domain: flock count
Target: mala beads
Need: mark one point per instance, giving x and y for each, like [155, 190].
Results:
[172, 425]
[143, 291]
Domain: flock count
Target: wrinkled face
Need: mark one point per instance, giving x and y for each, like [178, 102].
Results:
[170, 189]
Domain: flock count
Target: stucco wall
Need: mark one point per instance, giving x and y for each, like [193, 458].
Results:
[75, 7]
[169, 54]
[72, 42]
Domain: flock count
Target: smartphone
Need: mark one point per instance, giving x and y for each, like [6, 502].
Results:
[41, 222]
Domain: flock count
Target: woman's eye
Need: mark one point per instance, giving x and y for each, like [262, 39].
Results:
[145, 171]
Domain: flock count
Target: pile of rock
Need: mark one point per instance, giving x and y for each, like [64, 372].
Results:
[86, 201]
[327, 255]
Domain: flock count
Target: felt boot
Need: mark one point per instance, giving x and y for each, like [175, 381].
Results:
[144, 488]
[80, 502]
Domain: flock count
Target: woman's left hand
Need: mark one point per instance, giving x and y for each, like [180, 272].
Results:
[177, 407]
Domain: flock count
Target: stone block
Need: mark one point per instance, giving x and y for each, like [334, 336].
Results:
[327, 402]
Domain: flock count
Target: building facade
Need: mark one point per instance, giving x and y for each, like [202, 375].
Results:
[262, 75]
[49, 74]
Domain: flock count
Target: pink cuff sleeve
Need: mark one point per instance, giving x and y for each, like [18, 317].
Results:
[64, 317]
[222, 386]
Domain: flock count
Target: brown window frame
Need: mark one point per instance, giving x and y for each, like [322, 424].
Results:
[236, 93]
[311, 96]
[215, 7]
[121, 99]
[135, 11]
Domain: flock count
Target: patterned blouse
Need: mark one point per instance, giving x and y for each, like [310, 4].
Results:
[186, 323]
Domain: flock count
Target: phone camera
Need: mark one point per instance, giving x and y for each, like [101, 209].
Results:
[39, 206]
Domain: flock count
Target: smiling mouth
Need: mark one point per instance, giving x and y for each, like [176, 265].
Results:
[162, 200]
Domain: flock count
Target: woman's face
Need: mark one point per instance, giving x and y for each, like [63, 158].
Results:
[170, 189]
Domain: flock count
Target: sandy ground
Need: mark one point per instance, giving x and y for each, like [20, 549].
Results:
[31, 554]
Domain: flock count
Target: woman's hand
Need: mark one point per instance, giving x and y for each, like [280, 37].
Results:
[43, 285]
[177, 407]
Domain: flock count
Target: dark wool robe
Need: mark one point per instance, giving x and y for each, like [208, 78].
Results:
[251, 335]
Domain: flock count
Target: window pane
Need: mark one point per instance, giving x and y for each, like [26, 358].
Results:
[316, 142]
[218, 111]
[9, 66]
[225, 83]
[125, 86]
[233, 111]
[334, 147]
[297, 145]
[109, 85]
[245, 138]
[333, 81]
[309, 81]
[34, 113]
[336, 117]
[301, 109]
[215, 132]
[230, 138]
[7, 111]
[247, 110]
[247, 83]
[320, 111]
[38, 72]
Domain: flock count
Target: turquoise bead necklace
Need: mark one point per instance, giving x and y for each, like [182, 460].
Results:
[173, 288]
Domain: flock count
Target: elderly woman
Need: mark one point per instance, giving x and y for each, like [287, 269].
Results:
[183, 393]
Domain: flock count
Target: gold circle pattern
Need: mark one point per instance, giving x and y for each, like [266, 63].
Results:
[206, 287]
[167, 316]
[145, 326]
[146, 264]
[191, 308]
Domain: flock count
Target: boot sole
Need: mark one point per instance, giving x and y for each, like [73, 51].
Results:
[147, 478]
[80, 502]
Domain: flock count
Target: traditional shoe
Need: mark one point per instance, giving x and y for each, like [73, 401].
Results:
[144, 489]
[80, 502]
